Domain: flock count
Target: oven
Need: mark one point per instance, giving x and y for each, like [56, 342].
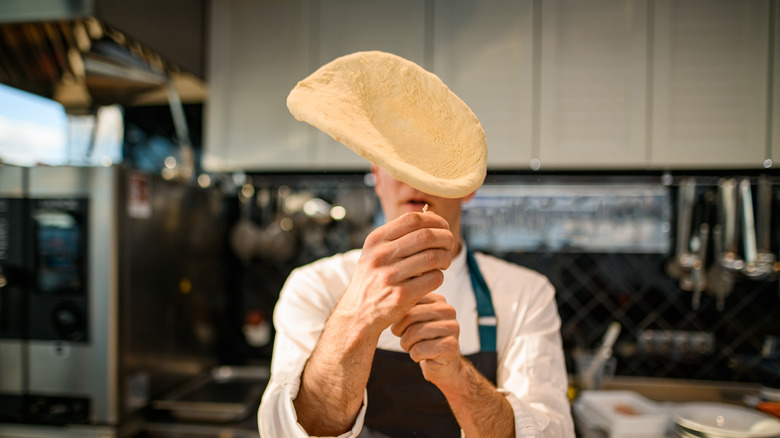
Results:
[14, 270]
[56, 291]
[94, 320]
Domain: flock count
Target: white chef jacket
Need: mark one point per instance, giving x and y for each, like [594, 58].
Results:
[531, 368]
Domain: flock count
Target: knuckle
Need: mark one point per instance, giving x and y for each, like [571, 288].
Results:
[423, 236]
[414, 353]
[370, 240]
[440, 258]
[413, 220]
[455, 329]
[430, 258]
[384, 278]
[406, 345]
[374, 237]
[376, 257]
[437, 278]
[448, 313]
[382, 253]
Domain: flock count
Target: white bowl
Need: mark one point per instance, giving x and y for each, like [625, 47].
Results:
[719, 420]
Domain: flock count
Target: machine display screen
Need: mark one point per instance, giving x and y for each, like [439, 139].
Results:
[60, 245]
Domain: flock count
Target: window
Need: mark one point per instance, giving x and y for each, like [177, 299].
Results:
[35, 130]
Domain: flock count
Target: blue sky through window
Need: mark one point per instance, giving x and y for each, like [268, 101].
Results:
[33, 129]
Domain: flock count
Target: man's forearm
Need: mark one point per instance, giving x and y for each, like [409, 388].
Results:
[481, 411]
[334, 379]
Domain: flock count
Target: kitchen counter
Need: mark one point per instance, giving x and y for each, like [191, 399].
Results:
[681, 391]
[222, 403]
[668, 393]
[164, 427]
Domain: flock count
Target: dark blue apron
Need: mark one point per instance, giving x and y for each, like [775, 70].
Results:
[401, 403]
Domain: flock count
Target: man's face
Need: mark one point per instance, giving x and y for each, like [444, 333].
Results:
[398, 198]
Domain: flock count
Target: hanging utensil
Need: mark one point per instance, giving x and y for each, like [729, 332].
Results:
[278, 241]
[765, 259]
[729, 197]
[245, 235]
[680, 265]
[748, 230]
[698, 276]
[727, 262]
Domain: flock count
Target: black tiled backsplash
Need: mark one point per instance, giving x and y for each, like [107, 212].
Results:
[593, 289]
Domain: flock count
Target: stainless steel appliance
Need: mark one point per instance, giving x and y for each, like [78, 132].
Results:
[14, 265]
[112, 297]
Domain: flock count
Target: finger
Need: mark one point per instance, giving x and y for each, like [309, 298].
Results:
[421, 285]
[440, 350]
[381, 251]
[430, 307]
[409, 222]
[424, 332]
[419, 264]
[437, 325]
[431, 298]
[421, 240]
[403, 261]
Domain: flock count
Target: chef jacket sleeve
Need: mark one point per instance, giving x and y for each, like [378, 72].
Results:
[299, 318]
[532, 369]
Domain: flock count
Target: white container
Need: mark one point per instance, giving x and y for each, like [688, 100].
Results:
[623, 414]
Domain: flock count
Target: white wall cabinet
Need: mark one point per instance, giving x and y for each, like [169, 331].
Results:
[260, 50]
[710, 84]
[593, 102]
[483, 50]
[602, 84]
[349, 26]
[257, 53]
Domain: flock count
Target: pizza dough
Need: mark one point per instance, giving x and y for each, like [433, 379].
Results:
[399, 117]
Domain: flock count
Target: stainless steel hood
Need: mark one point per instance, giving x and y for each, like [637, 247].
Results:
[67, 51]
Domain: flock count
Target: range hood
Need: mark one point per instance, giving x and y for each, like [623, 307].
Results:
[81, 54]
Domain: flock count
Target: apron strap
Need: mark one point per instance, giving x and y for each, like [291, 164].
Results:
[486, 315]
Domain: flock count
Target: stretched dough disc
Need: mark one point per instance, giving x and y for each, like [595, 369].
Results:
[399, 117]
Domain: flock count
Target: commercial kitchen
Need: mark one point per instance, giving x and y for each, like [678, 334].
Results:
[146, 232]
